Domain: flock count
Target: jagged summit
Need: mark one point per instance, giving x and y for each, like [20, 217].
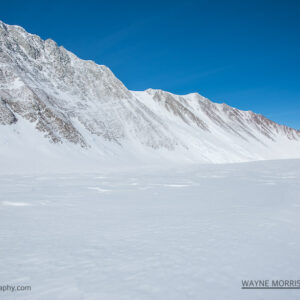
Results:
[48, 96]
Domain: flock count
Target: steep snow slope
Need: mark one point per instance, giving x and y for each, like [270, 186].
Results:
[47, 84]
[57, 107]
[218, 132]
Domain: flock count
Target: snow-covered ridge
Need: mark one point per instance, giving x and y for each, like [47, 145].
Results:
[53, 102]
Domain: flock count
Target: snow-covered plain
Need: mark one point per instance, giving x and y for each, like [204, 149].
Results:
[189, 233]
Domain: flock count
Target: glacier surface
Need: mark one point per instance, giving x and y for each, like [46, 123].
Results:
[185, 233]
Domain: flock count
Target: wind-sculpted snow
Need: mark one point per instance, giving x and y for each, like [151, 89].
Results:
[186, 233]
[47, 93]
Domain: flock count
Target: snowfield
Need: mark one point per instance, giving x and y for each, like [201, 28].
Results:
[185, 233]
[108, 194]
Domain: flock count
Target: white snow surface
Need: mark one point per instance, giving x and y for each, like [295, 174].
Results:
[107, 193]
[185, 233]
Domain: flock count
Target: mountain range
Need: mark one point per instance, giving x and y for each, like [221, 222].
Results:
[57, 110]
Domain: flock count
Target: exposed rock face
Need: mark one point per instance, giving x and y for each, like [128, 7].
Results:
[244, 124]
[50, 86]
[70, 100]
[7, 117]
[179, 107]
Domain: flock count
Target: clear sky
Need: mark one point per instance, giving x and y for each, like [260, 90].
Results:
[245, 53]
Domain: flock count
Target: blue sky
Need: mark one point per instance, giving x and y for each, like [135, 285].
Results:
[244, 53]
